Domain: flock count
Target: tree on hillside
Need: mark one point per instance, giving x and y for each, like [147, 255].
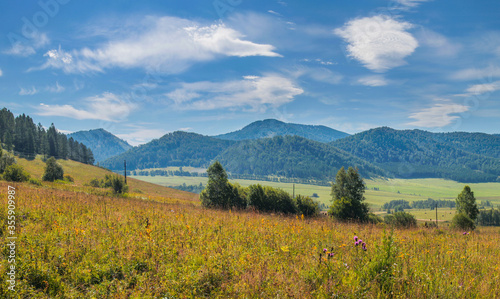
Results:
[53, 171]
[219, 193]
[348, 196]
[466, 203]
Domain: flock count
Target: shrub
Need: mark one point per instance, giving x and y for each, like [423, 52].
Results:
[307, 206]
[69, 178]
[374, 219]
[15, 173]
[6, 159]
[401, 219]
[118, 185]
[53, 171]
[95, 183]
[35, 182]
[462, 221]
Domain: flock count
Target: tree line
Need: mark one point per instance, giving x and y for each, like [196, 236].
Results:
[21, 136]
[401, 204]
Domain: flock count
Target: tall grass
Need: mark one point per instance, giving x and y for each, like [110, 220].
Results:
[91, 245]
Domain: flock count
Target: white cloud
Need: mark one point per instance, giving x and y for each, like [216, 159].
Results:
[164, 44]
[107, 107]
[437, 116]
[257, 93]
[441, 46]
[410, 3]
[320, 74]
[379, 42]
[25, 47]
[484, 88]
[1, 73]
[56, 89]
[373, 81]
[477, 74]
[28, 91]
[142, 136]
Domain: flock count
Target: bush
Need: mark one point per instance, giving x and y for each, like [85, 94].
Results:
[35, 182]
[53, 171]
[6, 160]
[15, 173]
[307, 206]
[401, 219]
[374, 219]
[69, 178]
[95, 183]
[462, 221]
[118, 185]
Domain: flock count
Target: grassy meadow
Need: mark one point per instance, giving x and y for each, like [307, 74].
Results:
[81, 242]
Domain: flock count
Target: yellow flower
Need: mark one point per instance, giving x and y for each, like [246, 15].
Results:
[284, 248]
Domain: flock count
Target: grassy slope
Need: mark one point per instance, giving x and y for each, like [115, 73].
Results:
[78, 245]
[83, 173]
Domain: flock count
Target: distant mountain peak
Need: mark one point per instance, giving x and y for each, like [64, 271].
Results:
[102, 143]
[269, 128]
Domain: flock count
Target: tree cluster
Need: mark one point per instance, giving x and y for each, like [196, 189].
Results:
[220, 193]
[21, 135]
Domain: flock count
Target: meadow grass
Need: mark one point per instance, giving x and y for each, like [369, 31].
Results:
[79, 245]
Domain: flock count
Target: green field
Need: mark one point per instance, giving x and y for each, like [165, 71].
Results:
[409, 189]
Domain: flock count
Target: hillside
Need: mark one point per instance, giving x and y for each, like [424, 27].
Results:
[271, 128]
[290, 156]
[420, 154]
[102, 143]
[83, 173]
[173, 149]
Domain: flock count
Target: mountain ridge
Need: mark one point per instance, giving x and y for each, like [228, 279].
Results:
[102, 143]
[269, 128]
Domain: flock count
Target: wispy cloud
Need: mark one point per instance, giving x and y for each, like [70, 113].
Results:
[410, 3]
[256, 93]
[25, 47]
[374, 81]
[165, 44]
[478, 89]
[477, 73]
[107, 107]
[440, 44]
[437, 116]
[55, 88]
[379, 42]
[1, 73]
[28, 91]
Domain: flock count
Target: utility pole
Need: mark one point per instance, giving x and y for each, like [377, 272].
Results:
[436, 214]
[125, 170]
[293, 196]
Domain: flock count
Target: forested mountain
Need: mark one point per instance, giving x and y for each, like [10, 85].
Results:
[290, 156]
[21, 135]
[420, 154]
[271, 127]
[174, 149]
[102, 143]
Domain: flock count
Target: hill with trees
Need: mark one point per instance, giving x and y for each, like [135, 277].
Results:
[271, 127]
[422, 154]
[290, 156]
[173, 149]
[21, 136]
[102, 143]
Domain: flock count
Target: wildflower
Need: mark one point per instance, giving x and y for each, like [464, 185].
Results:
[331, 254]
[325, 250]
[355, 238]
[363, 244]
[356, 243]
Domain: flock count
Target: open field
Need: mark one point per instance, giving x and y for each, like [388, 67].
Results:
[410, 190]
[78, 245]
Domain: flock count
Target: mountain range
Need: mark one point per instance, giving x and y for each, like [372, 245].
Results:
[102, 143]
[259, 149]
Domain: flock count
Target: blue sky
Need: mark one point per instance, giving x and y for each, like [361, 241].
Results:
[140, 69]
